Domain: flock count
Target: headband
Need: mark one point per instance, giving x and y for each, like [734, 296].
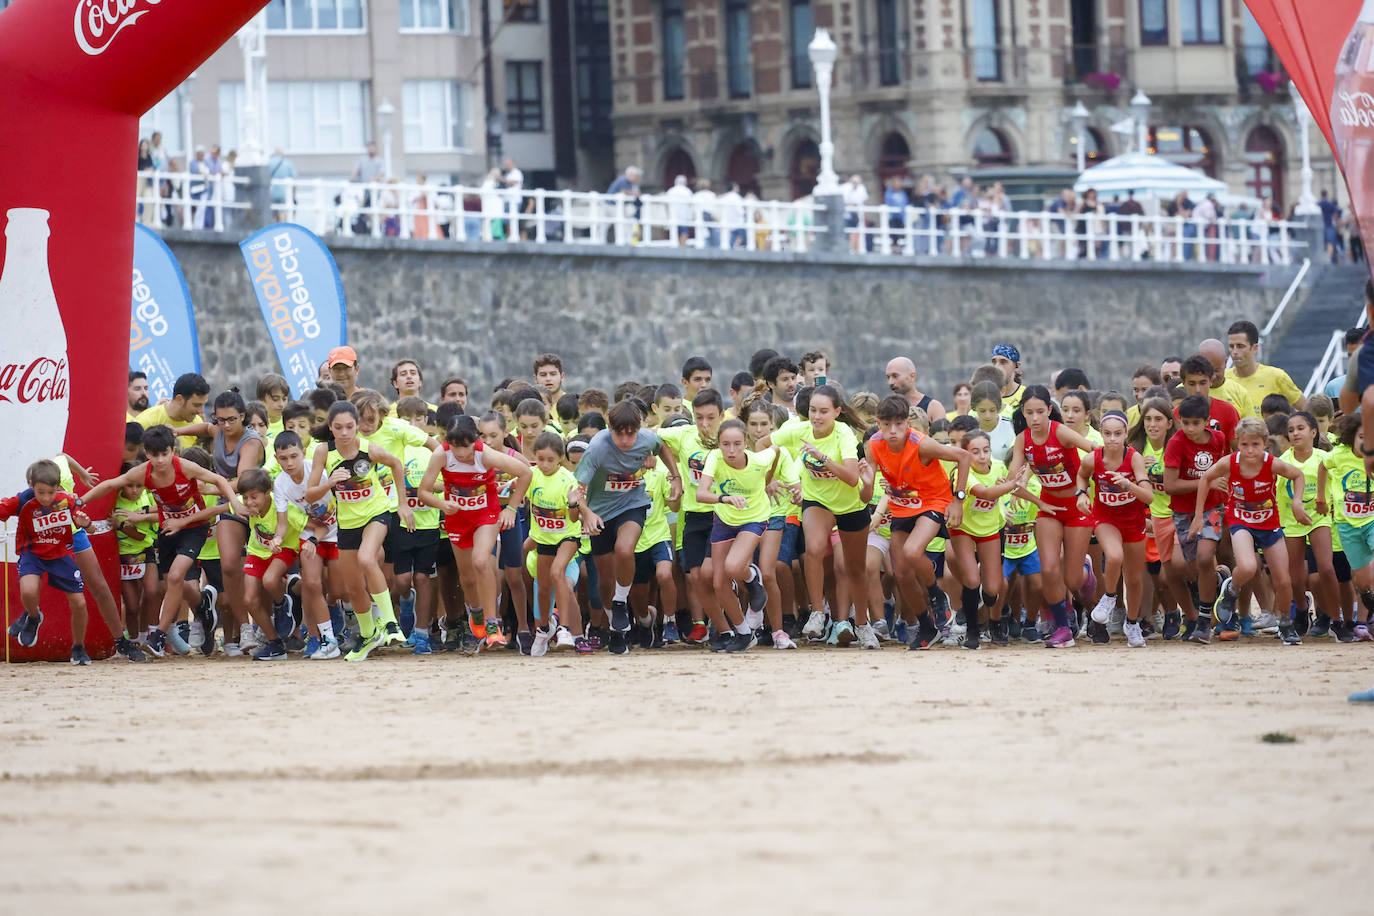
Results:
[1008, 351]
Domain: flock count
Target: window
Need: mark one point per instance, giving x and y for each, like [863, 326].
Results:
[1154, 22]
[803, 27]
[987, 55]
[1185, 145]
[990, 147]
[889, 69]
[738, 75]
[1259, 56]
[435, 16]
[592, 53]
[303, 117]
[434, 115]
[315, 16]
[521, 10]
[524, 96]
[674, 49]
[164, 118]
[1200, 21]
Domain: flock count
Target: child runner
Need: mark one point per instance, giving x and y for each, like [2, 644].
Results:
[778, 546]
[135, 517]
[1309, 543]
[654, 560]
[319, 549]
[509, 556]
[556, 531]
[1187, 458]
[1149, 437]
[1252, 516]
[274, 540]
[414, 558]
[1353, 508]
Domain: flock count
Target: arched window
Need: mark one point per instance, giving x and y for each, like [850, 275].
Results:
[893, 158]
[743, 167]
[678, 162]
[806, 165]
[1264, 157]
[1185, 145]
[990, 147]
[1096, 146]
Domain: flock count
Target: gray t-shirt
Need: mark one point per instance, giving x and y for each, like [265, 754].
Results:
[615, 478]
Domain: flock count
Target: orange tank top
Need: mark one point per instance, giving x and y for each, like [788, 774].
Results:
[914, 487]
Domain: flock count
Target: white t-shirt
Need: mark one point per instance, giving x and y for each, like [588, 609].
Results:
[286, 490]
[855, 195]
[515, 181]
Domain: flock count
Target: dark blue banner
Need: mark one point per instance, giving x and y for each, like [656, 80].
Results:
[162, 333]
[301, 297]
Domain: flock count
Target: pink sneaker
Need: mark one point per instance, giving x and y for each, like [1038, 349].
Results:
[1362, 633]
[1061, 638]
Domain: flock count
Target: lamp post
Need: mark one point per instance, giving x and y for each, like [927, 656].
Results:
[253, 43]
[1140, 105]
[822, 53]
[187, 90]
[386, 112]
[1307, 202]
[1080, 129]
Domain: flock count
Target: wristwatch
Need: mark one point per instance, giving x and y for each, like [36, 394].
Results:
[960, 495]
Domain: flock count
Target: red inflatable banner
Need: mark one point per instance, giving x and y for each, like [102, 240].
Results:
[77, 76]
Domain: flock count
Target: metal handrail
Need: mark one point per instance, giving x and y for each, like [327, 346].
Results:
[1283, 304]
[1332, 358]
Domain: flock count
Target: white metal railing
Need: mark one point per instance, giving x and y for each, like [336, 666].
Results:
[392, 209]
[187, 200]
[1283, 304]
[1043, 235]
[1333, 358]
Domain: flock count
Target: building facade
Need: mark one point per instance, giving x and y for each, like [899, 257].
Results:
[724, 89]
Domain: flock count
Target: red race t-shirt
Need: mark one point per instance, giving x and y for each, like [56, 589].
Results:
[1223, 417]
[1193, 460]
[44, 531]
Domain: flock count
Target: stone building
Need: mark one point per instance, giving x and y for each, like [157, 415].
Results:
[724, 89]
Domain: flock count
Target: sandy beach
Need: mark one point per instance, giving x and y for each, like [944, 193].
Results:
[1016, 780]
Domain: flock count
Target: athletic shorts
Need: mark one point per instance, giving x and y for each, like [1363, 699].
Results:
[416, 552]
[1028, 565]
[80, 541]
[352, 538]
[1165, 537]
[1358, 543]
[188, 542]
[977, 538]
[1130, 533]
[1151, 549]
[849, 522]
[777, 523]
[1068, 514]
[646, 561]
[62, 572]
[881, 544]
[551, 550]
[256, 566]
[1338, 561]
[787, 550]
[723, 532]
[214, 575]
[1211, 531]
[394, 530]
[461, 526]
[328, 551]
[1264, 538]
[696, 538]
[510, 544]
[604, 542]
[907, 524]
[937, 559]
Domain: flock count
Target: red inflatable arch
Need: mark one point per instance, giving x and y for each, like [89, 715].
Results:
[77, 76]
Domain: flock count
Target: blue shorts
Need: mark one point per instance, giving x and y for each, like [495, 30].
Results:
[80, 541]
[62, 572]
[1028, 565]
[1264, 537]
[509, 547]
[787, 551]
[777, 523]
[937, 559]
[723, 532]
[646, 561]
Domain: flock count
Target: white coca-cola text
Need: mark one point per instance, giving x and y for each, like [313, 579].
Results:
[1356, 109]
[39, 382]
[99, 21]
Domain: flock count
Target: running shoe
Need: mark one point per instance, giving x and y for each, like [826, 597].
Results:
[1230, 630]
[156, 644]
[670, 633]
[1061, 638]
[971, 638]
[1102, 611]
[1098, 633]
[926, 635]
[1001, 631]
[901, 632]
[882, 630]
[471, 645]
[25, 629]
[1364, 696]
[496, 639]
[1117, 625]
[421, 645]
[231, 650]
[282, 619]
[1202, 635]
[1031, 635]
[79, 656]
[328, 649]
[363, 651]
[867, 638]
[1362, 632]
[719, 641]
[249, 638]
[1134, 638]
[1322, 626]
[620, 643]
[620, 616]
[183, 629]
[1344, 630]
[698, 635]
[130, 650]
[176, 643]
[815, 625]
[207, 615]
[642, 635]
[939, 607]
[18, 626]
[790, 624]
[524, 639]
[842, 634]
[765, 636]
[312, 645]
[476, 629]
[594, 639]
[1189, 628]
[1170, 629]
[753, 620]
[582, 646]
[1226, 603]
[758, 595]
[1266, 623]
[1247, 625]
[741, 642]
[539, 642]
[1302, 622]
[782, 641]
[449, 634]
[563, 639]
[271, 651]
[197, 635]
[1289, 635]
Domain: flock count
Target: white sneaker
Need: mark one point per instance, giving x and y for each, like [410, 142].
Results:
[197, 631]
[954, 635]
[327, 650]
[815, 625]
[1158, 620]
[175, 642]
[232, 650]
[1103, 611]
[782, 641]
[1134, 638]
[1266, 623]
[880, 630]
[248, 637]
[540, 646]
[1116, 626]
[867, 638]
[564, 639]
[753, 620]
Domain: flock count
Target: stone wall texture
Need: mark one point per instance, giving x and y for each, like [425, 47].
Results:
[483, 311]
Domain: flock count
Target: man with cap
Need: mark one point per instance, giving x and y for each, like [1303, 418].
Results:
[343, 369]
[901, 378]
[1008, 359]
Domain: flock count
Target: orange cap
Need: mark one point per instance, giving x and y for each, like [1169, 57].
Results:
[343, 355]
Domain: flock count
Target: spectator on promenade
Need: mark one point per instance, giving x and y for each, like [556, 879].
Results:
[855, 196]
[279, 167]
[513, 180]
[627, 183]
[679, 198]
[704, 202]
[896, 200]
[731, 212]
[1331, 213]
[144, 186]
[493, 206]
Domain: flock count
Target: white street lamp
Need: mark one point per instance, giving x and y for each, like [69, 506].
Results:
[1140, 104]
[822, 52]
[1080, 129]
[1307, 202]
[187, 90]
[386, 112]
[253, 43]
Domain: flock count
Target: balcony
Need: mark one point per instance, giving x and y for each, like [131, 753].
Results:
[1259, 75]
[1090, 69]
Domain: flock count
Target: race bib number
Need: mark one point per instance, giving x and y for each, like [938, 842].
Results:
[549, 520]
[904, 499]
[132, 572]
[52, 522]
[414, 504]
[468, 499]
[1358, 506]
[176, 513]
[984, 505]
[696, 464]
[353, 494]
[625, 483]
[1115, 498]
[1017, 539]
[1254, 513]
[1054, 477]
[817, 469]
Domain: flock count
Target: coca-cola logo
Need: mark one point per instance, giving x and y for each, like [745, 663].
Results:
[99, 21]
[1356, 109]
[39, 382]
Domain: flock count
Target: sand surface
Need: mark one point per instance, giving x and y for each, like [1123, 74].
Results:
[1018, 780]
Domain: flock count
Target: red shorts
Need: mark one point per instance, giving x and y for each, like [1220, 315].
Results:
[461, 526]
[256, 566]
[1132, 529]
[976, 538]
[328, 551]
[1068, 514]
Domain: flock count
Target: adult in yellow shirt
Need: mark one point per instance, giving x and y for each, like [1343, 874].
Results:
[189, 395]
[138, 395]
[1008, 359]
[1258, 379]
[1224, 388]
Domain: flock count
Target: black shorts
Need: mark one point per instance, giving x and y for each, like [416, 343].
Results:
[352, 538]
[604, 542]
[188, 542]
[393, 540]
[646, 561]
[415, 552]
[848, 523]
[551, 550]
[908, 524]
[1338, 560]
[214, 575]
[696, 538]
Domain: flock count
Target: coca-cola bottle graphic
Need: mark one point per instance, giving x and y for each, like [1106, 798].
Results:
[1352, 117]
[33, 351]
